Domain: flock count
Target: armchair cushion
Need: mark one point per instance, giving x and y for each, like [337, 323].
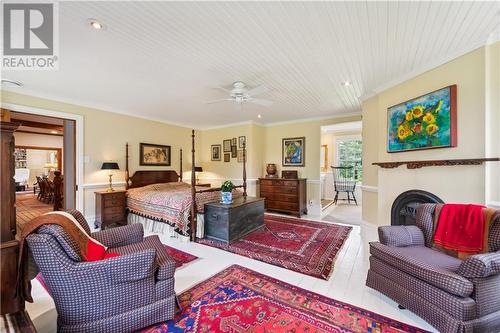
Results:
[431, 266]
[401, 236]
[480, 265]
[120, 236]
[165, 263]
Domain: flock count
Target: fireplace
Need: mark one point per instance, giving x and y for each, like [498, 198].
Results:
[405, 206]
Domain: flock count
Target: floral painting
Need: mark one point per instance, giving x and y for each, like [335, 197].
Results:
[293, 151]
[425, 122]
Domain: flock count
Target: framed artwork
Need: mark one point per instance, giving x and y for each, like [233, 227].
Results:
[226, 144]
[227, 157]
[216, 152]
[323, 158]
[293, 151]
[425, 122]
[240, 156]
[242, 141]
[234, 142]
[234, 152]
[155, 155]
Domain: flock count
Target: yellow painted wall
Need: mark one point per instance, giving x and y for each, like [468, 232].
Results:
[452, 184]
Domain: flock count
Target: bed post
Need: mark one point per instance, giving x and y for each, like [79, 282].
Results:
[193, 191]
[180, 171]
[244, 169]
[127, 176]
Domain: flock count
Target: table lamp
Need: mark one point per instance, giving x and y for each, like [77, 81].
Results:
[110, 166]
[198, 169]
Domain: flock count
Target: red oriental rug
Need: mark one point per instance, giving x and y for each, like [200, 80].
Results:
[241, 300]
[302, 246]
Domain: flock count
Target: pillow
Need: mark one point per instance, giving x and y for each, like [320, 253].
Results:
[95, 250]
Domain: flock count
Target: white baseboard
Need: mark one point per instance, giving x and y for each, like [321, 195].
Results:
[493, 204]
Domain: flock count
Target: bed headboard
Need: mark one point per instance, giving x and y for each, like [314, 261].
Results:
[148, 177]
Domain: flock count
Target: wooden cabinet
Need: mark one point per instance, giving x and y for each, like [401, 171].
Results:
[228, 223]
[284, 195]
[9, 245]
[109, 208]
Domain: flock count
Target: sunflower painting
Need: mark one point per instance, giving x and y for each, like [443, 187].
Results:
[428, 121]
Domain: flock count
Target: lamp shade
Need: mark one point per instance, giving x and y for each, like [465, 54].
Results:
[110, 166]
[198, 169]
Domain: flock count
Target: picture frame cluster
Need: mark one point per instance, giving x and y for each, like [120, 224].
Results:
[231, 148]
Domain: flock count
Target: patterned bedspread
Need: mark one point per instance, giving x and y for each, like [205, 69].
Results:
[169, 202]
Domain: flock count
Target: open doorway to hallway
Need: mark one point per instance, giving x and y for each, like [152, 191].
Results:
[341, 172]
[44, 158]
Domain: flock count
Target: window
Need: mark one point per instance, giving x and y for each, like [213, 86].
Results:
[349, 153]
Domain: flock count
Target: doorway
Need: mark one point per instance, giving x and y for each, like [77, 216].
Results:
[341, 172]
[44, 158]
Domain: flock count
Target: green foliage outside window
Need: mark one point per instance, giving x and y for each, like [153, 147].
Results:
[350, 154]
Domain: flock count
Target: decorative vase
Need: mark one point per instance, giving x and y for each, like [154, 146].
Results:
[226, 197]
[271, 170]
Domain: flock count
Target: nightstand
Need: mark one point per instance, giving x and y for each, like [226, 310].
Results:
[109, 208]
[204, 185]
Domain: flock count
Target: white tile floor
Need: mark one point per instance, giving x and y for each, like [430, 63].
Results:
[346, 284]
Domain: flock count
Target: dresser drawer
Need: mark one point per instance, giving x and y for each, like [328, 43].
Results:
[278, 182]
[278, 189]
[113, 218]
[280, 205]
[279, 196]
[114, 201]
[114, 210]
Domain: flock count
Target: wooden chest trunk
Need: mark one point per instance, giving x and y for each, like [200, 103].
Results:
[228, 223]
[284, 195]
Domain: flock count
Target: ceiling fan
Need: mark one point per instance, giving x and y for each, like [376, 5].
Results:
[241, 94]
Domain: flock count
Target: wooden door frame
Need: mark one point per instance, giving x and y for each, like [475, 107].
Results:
[79, 158]
[59, 153]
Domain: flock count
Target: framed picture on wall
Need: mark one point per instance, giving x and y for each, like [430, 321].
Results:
[234, 152]
[293, 151]
[226, 144]
[425, 122]
[234, 142]
[242, 141]
[154, 155]
[227, 157]
[216, 152]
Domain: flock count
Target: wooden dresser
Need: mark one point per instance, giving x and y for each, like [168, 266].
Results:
[109, 208]
[284, 195]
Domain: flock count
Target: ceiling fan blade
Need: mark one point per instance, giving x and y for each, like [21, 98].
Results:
[257, 90]
[219, 100]
[263, 102]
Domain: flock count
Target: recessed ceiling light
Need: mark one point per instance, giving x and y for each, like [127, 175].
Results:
[11, 83]
[259, 116]
[96, 24]
[346, 83]
[53, 132]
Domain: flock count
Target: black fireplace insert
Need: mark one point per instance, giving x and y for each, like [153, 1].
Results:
[404, 208]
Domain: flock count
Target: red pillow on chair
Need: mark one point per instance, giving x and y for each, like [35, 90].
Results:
[97, 251]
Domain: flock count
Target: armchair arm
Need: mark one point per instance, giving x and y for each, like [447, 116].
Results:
[400, 236]
[120, 236]
[480, 265]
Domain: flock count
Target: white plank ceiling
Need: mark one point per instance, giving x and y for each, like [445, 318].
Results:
[161, 60]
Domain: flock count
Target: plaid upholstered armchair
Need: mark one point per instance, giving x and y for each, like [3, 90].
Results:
[453, 295]
[120, 294]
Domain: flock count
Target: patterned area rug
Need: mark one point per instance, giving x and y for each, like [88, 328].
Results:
[180, 257]
[299, 245]
[241, 300]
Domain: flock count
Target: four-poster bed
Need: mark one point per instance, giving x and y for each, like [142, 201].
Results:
[162, 196]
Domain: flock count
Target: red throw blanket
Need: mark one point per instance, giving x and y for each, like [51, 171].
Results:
[461, 228]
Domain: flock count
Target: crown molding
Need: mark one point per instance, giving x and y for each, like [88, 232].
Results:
[96, 107]
[420, 70]
[303, 120]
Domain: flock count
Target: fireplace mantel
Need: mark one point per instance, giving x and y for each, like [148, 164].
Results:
[427, 163]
